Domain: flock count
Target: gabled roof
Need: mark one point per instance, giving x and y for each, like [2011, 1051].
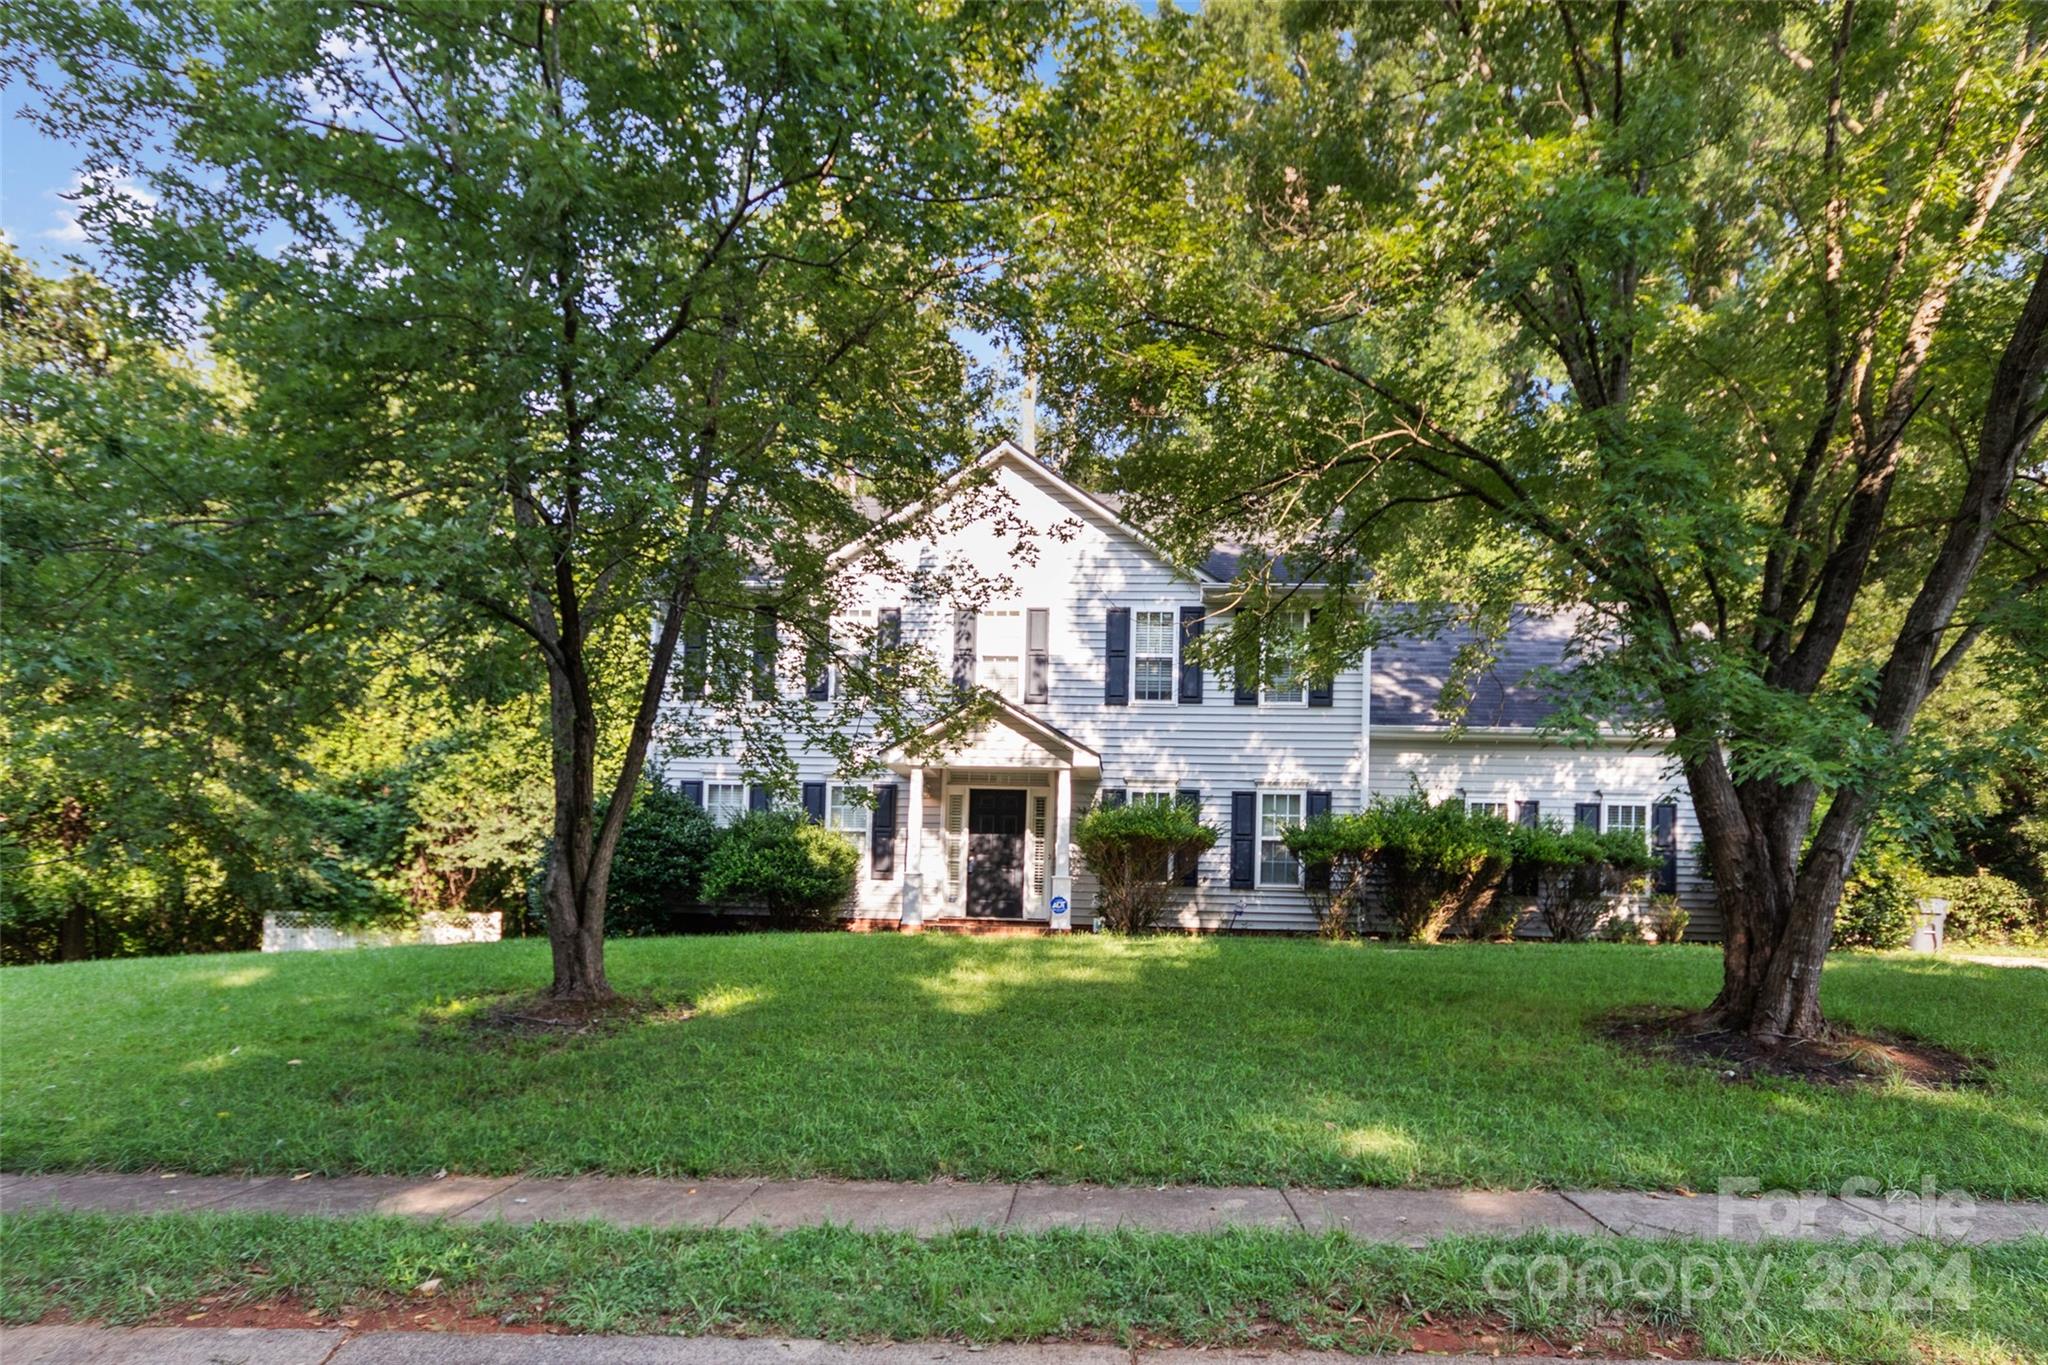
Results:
[1045, 735]
[1008, 452]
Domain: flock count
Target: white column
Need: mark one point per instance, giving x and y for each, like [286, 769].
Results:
[1060, 891]
[913, 852]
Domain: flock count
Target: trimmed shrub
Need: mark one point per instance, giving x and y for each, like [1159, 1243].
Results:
[1990, 909]
[1442, 863]
[658, 871]
[1336, 854]
[798, 872]
[1561, 866]
[1577, 873]
[1132, 850]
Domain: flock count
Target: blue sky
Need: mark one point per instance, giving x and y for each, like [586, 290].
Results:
[34, 173]
[37, 171]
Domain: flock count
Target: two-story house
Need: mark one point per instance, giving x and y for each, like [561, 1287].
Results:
[1100, 701]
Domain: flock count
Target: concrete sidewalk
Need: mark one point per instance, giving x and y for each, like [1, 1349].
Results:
[260, 1346]
[1408, 1217]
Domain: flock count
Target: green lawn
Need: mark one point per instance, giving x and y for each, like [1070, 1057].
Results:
[1985, 1305]
[1169, 1059]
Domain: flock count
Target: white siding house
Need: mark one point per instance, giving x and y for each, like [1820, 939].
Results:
[1085, 644]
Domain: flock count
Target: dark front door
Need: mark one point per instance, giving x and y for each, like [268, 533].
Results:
[995, 854]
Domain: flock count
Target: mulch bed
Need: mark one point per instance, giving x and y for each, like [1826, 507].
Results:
[1841, 1058]
[544, 1017]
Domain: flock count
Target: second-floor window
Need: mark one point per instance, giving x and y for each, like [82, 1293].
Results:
[725, 802]
[1152, 655]
[1000, 643]
[1287, 689]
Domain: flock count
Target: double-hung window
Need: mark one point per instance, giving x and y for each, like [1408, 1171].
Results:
[1153, 635]
[725, 802]
[1287, 688]
[846, 813]
[1278, 813]
[1000, 644]
[1498, 809]
[1629, 817]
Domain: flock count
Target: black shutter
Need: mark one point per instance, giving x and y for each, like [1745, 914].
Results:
[1111, 798]
[888, 636]
[1664, 842]
[696, 658]
[1116, 658]
[814, 802]
[693, 792]
[1529, 814]
[765, 643]
[882, 836]
[1193, 801]
[1586, 815]
[1244, 839]
[1190, 672]
[1325, 692]
[963, 649]
[1244, 689]
[818, 665]
[757, 797]
[1317, 878]
[1037, 656]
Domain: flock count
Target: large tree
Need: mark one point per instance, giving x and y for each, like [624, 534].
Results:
[579, 318]
[1722, 327]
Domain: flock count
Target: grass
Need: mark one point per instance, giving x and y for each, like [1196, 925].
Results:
[1211, 1061]
[1959, 950]
[1985, 1304]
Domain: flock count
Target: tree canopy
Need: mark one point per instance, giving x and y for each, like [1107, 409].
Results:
[1720, 328]
[569, 317]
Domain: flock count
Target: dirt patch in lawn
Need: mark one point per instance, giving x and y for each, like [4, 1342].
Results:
[388, 1315]
[1390, 1333]
[514, 1018]
[1384, 1332]
[1841, 1058]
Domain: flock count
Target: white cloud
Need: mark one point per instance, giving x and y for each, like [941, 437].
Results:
[125, 196]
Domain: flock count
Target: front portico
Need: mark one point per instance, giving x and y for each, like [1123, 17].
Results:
[990, 820]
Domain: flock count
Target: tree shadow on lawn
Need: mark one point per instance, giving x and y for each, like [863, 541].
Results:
[1154, 1060]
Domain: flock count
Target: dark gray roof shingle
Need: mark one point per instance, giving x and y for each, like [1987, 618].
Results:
[1409, 673]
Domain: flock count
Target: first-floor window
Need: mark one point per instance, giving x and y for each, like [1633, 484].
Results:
[725, 802]
[848, 814]
[1152, 655]
[1625, 817]
[1153, 796]
[1495, 808]
[1278, 813]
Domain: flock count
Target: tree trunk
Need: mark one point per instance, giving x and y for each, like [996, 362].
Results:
[575, 884]
[71, 933]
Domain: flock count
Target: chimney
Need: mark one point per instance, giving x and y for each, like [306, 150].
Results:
[1027, 416]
